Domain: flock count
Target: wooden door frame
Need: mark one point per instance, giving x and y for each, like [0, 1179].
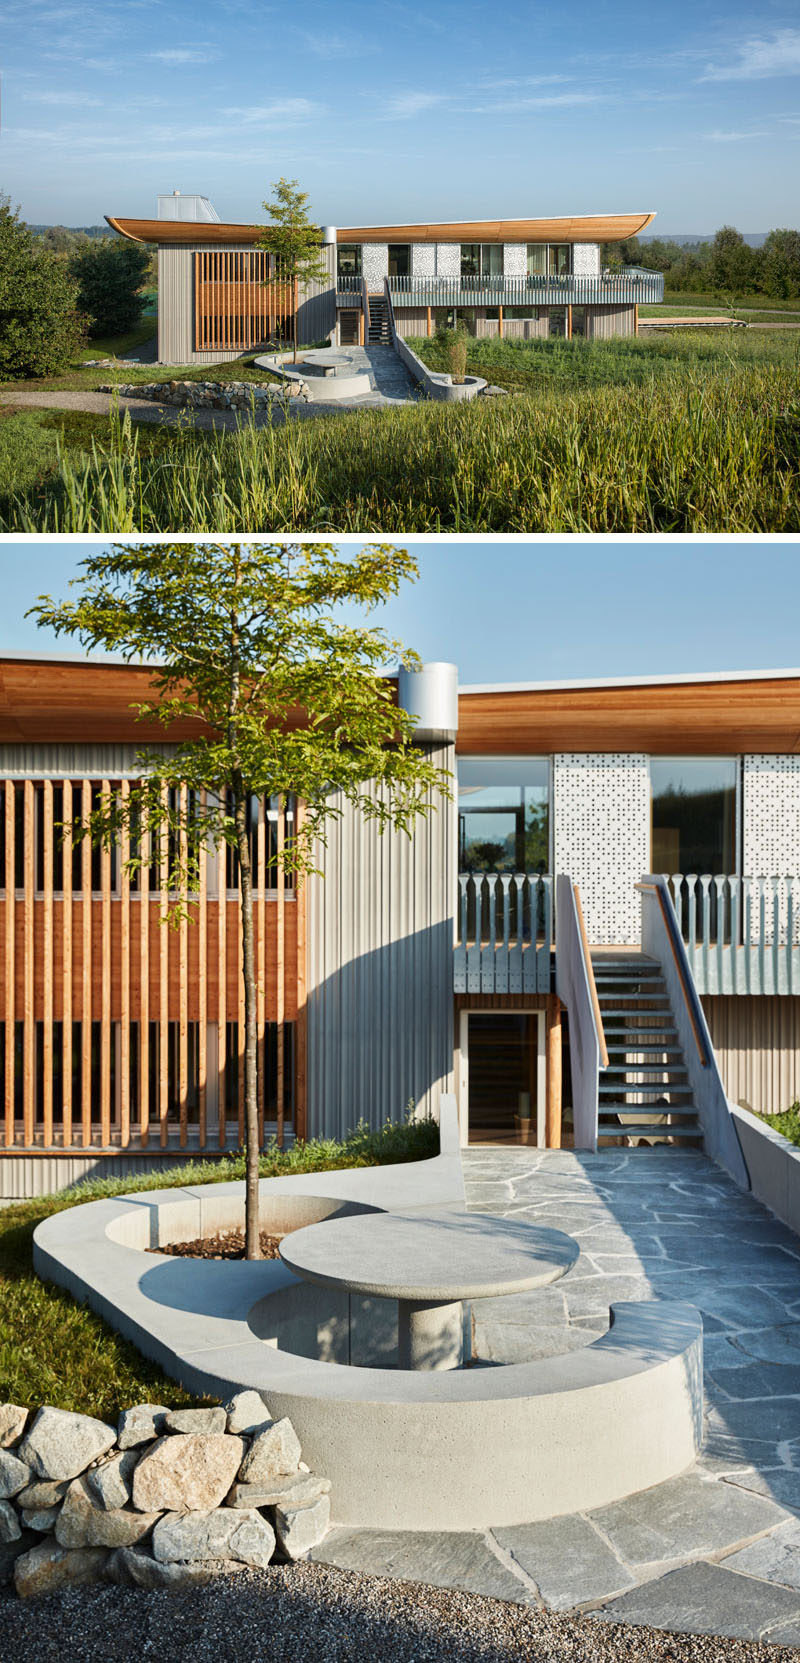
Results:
[462, 1066]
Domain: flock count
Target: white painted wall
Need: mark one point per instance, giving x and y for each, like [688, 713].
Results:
[601, 836]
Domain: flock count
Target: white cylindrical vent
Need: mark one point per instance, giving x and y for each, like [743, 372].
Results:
[431, 694]
[328, 233]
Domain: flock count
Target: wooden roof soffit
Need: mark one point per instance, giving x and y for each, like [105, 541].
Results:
[588, 228]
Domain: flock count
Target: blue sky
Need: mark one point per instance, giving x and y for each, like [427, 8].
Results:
[545, 611]
[389, 110]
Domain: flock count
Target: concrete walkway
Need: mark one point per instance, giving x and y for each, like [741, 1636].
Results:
[717, 1550]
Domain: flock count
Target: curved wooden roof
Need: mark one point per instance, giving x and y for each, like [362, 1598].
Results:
[571, 228]
[61, 701]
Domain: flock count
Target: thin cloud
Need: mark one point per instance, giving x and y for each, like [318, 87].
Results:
[283, 109]
[340, 46]
[178, 55]
[759, 58]
[734, 138]
[405, 105]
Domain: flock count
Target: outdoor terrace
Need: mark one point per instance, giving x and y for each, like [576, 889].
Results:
[627, 288]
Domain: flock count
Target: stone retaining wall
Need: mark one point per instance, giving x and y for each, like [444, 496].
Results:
[166, 1499]
[211, 395]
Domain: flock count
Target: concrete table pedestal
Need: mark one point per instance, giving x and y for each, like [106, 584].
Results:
[430, 1262]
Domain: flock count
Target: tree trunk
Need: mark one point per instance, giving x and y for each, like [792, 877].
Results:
[252, 1150]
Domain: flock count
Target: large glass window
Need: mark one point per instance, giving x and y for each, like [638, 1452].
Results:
[549, 259]
[481, 259]
[348, 259]
[694, 814]
[503, 813]
[399, 259]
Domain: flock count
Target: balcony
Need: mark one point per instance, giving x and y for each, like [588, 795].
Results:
[504, 933]
[742, 935]
[626, 288]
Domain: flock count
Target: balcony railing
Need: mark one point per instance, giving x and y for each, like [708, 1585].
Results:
[349, 291]
[742, 935]
[617, 289]
[505, 933]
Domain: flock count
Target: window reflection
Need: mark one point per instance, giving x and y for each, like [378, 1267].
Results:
[694, 824]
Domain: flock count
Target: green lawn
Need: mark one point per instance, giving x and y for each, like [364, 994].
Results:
[80, 375]
[110, 346]
[55, 1351]
[719, 304]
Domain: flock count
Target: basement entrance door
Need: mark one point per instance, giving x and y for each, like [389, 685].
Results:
[503, 1076]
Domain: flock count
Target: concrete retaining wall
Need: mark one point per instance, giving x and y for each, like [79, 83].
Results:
[773, 1164]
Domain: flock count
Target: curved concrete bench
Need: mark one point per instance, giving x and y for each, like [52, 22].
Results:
[443, 1450]
[328, 388]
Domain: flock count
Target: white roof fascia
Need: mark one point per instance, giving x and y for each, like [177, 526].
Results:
[630, 681]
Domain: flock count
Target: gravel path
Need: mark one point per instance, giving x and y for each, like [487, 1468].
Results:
[144, 410]
[305, 1613]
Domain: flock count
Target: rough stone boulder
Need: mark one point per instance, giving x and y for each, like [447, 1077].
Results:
[60, 1444]
[141, 1424]
[223, 1534]
[247, 1413]
[9, 1524]
[40, 1519]
[187, 1473]
[43, 1492]
[273, 1452]
[299, 1529]
[110, 1482]
[196, 1420]
[12, 1424]
[15, 1475]
[133, 1568]
[48, 1567]
[84, 1522]
[291, 1490]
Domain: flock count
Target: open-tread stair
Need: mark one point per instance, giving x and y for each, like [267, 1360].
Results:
[645, 1091]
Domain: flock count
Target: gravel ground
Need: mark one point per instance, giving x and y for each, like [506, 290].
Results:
[145, 410]
[302, 1613]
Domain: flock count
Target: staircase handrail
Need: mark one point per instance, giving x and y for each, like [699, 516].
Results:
[390, 317]
[365, 306]
[691, 997]
[587, 959]
[660, 932]
[574, 979]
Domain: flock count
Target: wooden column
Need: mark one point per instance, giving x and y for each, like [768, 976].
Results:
[124, 1052]
[569, 323]
[163, 981]
[29, 1030]
[261, 963]
[47, 962]
[86, 969]
[144, 996]
[11, 907]
[105, 981]
[66, 963]
[222, 991]
[183, 973]
[553, 1031]
[500, 322]
[361, 327]
[301, 1026]
[280, 956]
[430, 321]
[202, 985]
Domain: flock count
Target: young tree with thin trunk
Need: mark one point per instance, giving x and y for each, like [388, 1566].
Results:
[253, 655]
[294, 243]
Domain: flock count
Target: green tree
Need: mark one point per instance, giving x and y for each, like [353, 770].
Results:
[40, 325]
[733, 263]
[110, 273]
[781, 264]
[284, 697]
[295, 243]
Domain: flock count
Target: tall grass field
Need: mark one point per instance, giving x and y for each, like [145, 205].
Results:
[685, 434]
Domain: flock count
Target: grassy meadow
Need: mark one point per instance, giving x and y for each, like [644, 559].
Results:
[678, 433]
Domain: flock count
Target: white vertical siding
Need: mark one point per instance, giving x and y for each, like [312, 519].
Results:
[757, 1043]
[601, 832]
[380, 969]
[316, 312]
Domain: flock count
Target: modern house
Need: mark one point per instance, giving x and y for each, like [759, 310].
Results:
[597, 938]
[218, 297]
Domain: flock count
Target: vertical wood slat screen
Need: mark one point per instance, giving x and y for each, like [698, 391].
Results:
[233, 310]
[108, 1013]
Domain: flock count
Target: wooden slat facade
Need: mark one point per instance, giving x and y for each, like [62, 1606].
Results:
[114, 1021]
[237, 304]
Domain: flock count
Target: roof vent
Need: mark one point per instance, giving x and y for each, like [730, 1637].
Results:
[432, 694]
[177, 206]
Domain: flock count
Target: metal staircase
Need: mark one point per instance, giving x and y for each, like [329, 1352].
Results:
[645, 1091]
[378, 319]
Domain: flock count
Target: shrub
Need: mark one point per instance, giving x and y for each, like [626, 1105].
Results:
[40, 325]
[110, 275]
[454, 344]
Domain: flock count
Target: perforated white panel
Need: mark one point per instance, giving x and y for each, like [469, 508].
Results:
[375, 263]
[423, 259]
[771, 834]
[601, 817]
[515, 259]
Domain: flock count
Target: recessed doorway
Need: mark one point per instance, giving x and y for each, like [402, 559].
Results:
[502, 1077]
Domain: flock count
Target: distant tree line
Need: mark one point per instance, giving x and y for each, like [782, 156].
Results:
[727, 265]
[58, 290]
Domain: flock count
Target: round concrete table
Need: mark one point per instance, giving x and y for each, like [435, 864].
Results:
[429, 1262]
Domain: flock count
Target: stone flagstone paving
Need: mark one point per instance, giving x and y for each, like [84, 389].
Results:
[716, 1550]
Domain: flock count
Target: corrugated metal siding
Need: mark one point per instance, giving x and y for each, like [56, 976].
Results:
[316, 315]
[41, 762]
[380, 971]
[411, 320]
[757, 1041]
[605, 321]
